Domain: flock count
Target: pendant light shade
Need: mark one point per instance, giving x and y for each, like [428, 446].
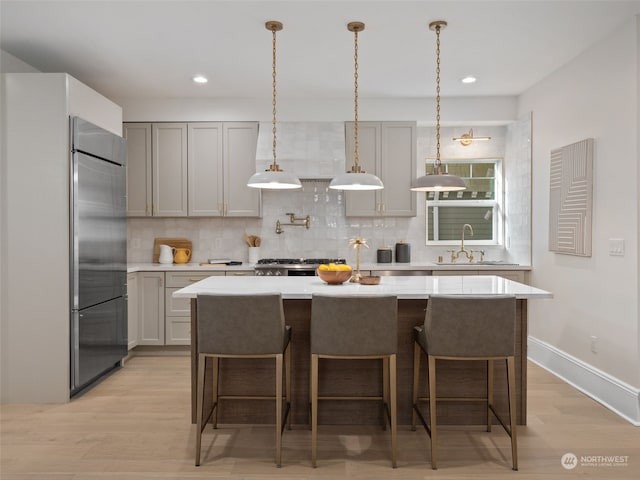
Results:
[356, 181]
[438, 180]
[356, 178]
[274, 178]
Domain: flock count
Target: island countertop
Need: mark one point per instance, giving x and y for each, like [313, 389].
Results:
[404, 287]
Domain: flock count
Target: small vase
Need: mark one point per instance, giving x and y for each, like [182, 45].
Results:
[254, 255]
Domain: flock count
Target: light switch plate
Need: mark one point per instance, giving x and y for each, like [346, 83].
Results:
[616, 247]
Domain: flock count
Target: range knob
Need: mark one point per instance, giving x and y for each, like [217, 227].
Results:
[278, 273]
[269, 273]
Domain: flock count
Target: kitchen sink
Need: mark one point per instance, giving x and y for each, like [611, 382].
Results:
[483, 262]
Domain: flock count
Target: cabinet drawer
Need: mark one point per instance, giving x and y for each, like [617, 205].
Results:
[183, 279]
[178, 331]
[240, 273]
[176, 307]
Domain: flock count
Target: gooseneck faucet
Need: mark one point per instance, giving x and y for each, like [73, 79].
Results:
[467, 253]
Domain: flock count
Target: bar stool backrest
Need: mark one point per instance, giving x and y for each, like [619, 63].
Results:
[354, 325]
[470, 326]
[241, 324]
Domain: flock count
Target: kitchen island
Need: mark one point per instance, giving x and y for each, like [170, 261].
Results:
[359, 377]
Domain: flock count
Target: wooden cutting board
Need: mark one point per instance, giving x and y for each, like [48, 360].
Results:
[172, 242]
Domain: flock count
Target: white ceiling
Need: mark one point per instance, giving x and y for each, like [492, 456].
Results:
[153, 48]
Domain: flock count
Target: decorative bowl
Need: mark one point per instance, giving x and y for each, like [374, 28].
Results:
[370, 280]
[335, 277]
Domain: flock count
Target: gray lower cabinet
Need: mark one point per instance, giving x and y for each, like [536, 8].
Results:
[132, 310]
[151, 308]
[515, 275]
[178, 310]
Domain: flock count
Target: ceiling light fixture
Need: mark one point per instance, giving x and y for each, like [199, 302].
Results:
[468, 79]
[438, 180]
[467, 138]
[200, 79]
[356, 178]
[274, 178]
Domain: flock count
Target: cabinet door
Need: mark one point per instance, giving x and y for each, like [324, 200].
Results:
[205, 169]
[364, 203]
[151, 308]
[169, 157]
[398, 169]
[240, 144]
[138, 136]
[132, 310]
[178, 310]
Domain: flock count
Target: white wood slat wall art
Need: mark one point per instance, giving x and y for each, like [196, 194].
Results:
[571, 198]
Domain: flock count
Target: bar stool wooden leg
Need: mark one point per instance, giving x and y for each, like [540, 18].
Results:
[432, 411]
[416, 382]
[278, 409]
[199, 403]
[490, 379]
[393, 399]
[287, 379]
[216, 382]
[385, 391]
[511, 385]
[314, 408]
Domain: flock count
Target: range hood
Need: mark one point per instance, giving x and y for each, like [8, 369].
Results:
[309, 150]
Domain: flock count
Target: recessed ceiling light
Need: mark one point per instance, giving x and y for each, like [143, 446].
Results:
[468, 79]
[200, 79]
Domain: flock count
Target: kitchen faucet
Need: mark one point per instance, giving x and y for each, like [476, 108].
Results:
[467, 253]
[306, 222]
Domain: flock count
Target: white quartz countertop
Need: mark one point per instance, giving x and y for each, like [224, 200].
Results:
[173, 267]
[404, 287]
[186, 267]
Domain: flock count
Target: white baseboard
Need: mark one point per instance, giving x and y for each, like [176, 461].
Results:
[617, 396]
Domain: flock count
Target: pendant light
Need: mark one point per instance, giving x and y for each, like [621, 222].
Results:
[438, 180]
[356, 178]
[274, 178]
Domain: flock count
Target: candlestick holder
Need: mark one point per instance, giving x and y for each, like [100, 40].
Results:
[357, 243]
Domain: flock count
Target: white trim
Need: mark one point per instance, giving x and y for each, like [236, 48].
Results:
[618, 396]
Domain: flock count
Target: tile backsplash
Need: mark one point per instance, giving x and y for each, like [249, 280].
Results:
[330, 229]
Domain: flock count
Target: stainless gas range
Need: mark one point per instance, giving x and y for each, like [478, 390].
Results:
[292, 267]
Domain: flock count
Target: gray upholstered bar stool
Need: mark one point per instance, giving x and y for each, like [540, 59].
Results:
[242, 326]
[458, 327]
[355, 327]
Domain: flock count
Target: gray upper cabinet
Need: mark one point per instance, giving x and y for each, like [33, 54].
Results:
[205, 169]
[388, 150]
[192, 169]
[169, 169]
[139, 189]
[240, 143]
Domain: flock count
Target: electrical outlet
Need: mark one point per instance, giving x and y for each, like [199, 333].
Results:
[616, 247]
[594, 344]
[135, 243]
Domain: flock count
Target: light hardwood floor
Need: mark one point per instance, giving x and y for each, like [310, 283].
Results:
[136, 426]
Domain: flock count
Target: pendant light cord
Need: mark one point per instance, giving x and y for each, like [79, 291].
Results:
[273, 102]
[437, 163]
[355, 103]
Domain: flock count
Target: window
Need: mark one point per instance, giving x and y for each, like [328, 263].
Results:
[480, 205]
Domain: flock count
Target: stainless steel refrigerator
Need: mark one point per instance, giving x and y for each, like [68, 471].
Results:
[98, 253]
